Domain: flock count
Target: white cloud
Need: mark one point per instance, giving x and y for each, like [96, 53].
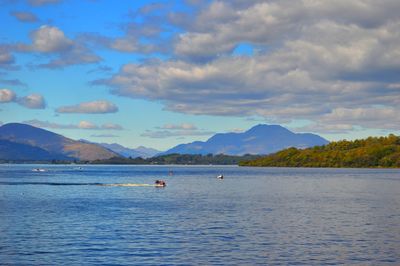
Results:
[201, 46]
[52, 41]
[368, 117]
[87, 125]
[326, 128]
[7, 95]
[79, 55]
[49, 39]
[24, 16]
[6, 59]
[13, 82]
[81, 125]
[33, 101]
[104, 136]
[175, 133]
[176, 130]
[183, 126]
[112, 126]
[95, 107]
[237, 130]
[344, 120]
[43, 2]
[125, 45]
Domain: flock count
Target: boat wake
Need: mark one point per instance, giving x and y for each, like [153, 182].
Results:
[81, 184]
[131, 185]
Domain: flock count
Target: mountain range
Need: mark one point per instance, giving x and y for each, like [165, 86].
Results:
[260, 139]
[140, 151]
[27, 143]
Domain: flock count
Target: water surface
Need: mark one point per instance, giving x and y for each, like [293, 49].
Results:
[254, 216]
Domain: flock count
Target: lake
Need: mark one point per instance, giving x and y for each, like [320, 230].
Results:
[266, 216]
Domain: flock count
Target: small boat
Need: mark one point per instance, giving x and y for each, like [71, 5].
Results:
[220, 177]
[160, 183]
[38, 170]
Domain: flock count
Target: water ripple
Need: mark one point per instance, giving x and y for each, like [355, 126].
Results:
[253, 217]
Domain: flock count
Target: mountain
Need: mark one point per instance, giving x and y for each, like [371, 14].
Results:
[261, 139]
[127, 152]
[56, 145]
[23, 152]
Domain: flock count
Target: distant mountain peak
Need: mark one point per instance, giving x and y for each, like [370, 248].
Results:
[20, 127]
[260, 139]
[260, 128]
[140, 151]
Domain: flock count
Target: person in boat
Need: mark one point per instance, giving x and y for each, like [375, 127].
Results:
[160, 183]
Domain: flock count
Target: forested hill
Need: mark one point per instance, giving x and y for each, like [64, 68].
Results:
[370, 152]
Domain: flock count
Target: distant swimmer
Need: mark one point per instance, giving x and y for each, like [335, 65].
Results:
[160, 183]
[220, 177]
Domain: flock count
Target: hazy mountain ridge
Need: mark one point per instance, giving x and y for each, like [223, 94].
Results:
[56, 145]
[260, 139]
[140, 151]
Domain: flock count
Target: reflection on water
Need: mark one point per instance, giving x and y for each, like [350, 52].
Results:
[252, 216]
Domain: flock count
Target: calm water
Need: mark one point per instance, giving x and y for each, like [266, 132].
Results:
[254, 216]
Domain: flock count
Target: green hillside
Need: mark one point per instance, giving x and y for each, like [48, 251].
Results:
[370, 152]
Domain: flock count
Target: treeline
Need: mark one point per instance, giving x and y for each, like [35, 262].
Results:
[371, 152]
[190, 159]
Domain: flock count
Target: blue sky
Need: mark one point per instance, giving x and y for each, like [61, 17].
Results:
[160, 73]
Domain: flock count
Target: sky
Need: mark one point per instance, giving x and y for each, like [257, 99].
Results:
[161, 73]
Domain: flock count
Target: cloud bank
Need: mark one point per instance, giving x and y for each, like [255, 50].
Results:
[81, 125]
[95, 107]
[309, 60]
[174, 130]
